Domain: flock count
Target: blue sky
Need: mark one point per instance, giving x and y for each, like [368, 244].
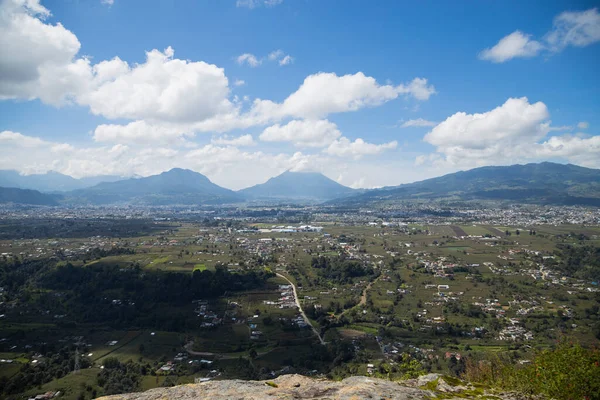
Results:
[369, 93]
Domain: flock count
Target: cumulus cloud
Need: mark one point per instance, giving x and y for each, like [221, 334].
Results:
[579, 149]
[512, 122]
[37, 58]
[570, 28]
[516, 131]
[239, 82]
[343, 147]
[419, 122]
[303, 133]
[141, 132]
[517, 44]
[162, 88]
[15, 139]
[240, 141]
[222, 163]
[249, 59]
[326, 93]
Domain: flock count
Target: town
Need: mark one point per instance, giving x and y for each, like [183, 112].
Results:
[239, 297]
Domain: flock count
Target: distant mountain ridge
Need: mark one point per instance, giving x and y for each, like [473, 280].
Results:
[543, 183]
[26, 196]
[298, 186]
[51, 181]
[176, 186]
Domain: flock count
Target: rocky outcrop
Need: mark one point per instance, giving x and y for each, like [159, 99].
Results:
[283, 387]
[289, 387]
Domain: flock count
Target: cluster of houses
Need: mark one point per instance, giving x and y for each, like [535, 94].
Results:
[210, 318]
[46, 396]
[514, 332]
[286, 298]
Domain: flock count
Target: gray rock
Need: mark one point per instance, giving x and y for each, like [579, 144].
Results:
[287, 387]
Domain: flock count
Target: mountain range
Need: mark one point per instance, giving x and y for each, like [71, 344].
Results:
[543, 183]
[51, 181]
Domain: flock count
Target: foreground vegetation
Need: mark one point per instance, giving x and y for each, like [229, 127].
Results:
[566, 371]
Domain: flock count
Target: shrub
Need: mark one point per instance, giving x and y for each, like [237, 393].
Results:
[567, 371]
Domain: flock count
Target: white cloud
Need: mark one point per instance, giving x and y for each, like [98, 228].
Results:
[163, 88]
[583, 125]
[29, 154]
[275, 55]
[286, 60]
[141, 132]
[577, 28]
[516, 131]
[240, 141]
[326, 93]
[343, 147]
[108, 2]
[239, 82]
[249, 59]
[303, 133]
[37, 58]
[257, 3]
[517, 44]
[165, 101]
[516, 120]
[582, 150]
[419, 122]
[15, 139]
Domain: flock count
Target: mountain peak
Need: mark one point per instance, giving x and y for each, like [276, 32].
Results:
[295, 185]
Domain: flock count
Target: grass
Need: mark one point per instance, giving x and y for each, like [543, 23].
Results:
[199, 267]
[70, 385]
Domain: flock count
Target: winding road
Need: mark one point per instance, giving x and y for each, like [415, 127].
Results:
[363, 298]
[297, 300]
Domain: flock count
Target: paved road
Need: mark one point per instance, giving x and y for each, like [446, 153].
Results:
[300, 307]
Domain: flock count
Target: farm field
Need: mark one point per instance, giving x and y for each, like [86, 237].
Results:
[190, 301]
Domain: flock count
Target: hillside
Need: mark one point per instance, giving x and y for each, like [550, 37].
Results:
[177, 186]
[26, 196]
[298, 186]
[544, 183]
[51, 181]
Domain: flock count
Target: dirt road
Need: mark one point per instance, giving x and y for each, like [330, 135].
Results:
[300, 308]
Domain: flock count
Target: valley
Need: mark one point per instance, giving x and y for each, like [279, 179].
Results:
[149, 302]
